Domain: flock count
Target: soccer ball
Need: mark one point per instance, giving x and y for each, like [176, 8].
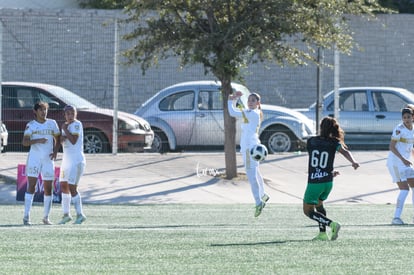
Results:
[259, 152]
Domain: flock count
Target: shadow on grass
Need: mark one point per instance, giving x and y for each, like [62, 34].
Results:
[369, 225]
[381, 225]
[177, 226]
[33, 225]
[140, 165]
[259, 243]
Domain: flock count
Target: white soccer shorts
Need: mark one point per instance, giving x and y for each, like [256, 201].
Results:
[400, 173]
[71, 173]
[36, 165]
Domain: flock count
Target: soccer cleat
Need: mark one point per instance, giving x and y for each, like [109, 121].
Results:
[334, 230]
[66, 218]
[265, 198]
[46, 221]
[397, 221]
[80, 219]
[26, 220]
[259, 209]
[322, 236]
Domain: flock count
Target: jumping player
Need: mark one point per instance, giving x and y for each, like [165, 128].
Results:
[73, 165]
[41, 134]
[249, 137]
[399, 163]
[322, 150]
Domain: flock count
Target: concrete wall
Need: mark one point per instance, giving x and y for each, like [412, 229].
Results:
[39, 4]
[75, 49]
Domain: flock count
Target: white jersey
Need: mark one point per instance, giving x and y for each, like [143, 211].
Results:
[74, 152]
[405, 140]
[249, 134]
[36, 130]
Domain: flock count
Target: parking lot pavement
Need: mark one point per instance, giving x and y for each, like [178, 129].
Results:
[146, 178]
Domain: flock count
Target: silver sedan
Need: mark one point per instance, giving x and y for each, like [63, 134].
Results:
[367, 114]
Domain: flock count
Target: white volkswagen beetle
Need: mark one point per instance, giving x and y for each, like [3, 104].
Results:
[190, 115]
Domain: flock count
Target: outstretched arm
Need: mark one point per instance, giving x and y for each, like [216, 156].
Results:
[348, 155]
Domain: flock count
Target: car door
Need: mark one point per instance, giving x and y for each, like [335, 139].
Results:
[387, 113]
[209, 121]
[355, 116]
[178, 111]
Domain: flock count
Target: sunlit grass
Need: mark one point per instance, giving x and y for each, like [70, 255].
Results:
[205, 239]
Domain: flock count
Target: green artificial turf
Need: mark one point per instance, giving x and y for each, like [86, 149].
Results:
[205, 239]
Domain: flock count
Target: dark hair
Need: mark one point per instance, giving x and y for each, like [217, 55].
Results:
[256, 95]
[40, 104]
[406, 111]
[330, 129]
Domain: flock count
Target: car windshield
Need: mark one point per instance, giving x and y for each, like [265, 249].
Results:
[71, 98]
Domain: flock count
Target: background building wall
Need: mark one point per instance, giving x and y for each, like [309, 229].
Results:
[74, 48]
[39, 4]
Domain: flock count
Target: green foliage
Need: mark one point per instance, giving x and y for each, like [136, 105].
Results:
[103, 4]
[400, 6]
[225, 35]
[205, 239]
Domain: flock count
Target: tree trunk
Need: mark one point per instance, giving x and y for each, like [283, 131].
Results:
[229, 132]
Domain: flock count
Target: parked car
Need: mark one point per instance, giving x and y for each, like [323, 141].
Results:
[4, 135]
[367, 114]
[18, 98]
[190, 115]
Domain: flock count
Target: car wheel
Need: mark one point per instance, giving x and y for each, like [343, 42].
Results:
[94, 142]
[278, 139]
[160, 142]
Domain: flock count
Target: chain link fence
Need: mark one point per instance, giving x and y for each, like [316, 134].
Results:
[75, 49]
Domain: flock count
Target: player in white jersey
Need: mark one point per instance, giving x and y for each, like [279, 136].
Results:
[399, 163]
[73, 165]
[41, 134]
[249, 137]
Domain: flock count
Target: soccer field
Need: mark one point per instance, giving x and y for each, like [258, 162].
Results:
[205, 239]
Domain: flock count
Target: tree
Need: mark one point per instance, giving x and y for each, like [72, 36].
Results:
[226, 35]
[103, 4]
[400, 6]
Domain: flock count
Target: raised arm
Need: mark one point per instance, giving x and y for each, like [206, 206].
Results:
[233, 110]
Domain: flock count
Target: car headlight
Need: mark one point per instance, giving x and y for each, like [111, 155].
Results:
[124, 126]
[146, 126]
